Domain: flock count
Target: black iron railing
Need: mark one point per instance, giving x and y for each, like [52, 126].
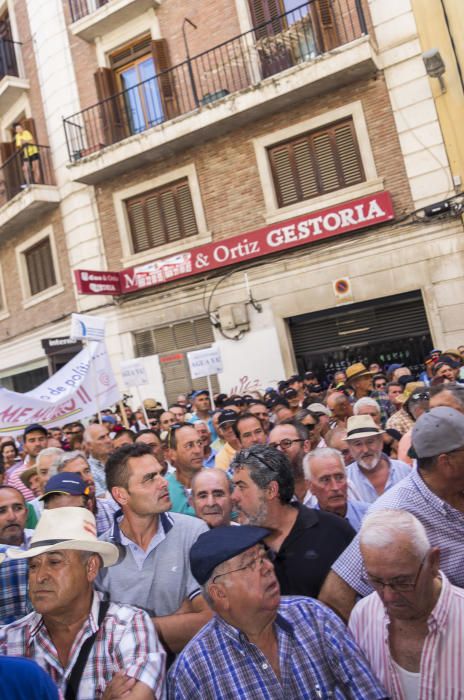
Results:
[31, 165]
[8, 62]
[289, 39]
[82, 8]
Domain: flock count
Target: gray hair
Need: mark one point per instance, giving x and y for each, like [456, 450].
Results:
[66, 457]
[382, 528]
[321, 453]
[456, 391]
[48, 452]
[365, 401]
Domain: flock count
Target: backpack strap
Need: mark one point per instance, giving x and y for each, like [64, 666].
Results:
[74, 679]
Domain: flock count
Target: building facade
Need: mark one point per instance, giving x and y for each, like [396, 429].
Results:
[255, 174]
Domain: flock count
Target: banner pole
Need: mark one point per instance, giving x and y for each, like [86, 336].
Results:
[210, 389]
[125, 422]
[94, 380]
[144, 410]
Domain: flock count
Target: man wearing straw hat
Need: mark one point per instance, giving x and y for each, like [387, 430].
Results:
[359, 379]
[90, 648]
[372, 472]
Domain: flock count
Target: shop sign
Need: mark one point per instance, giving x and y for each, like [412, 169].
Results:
[91, 282]
[302, 230]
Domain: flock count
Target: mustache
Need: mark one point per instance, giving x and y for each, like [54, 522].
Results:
[213, 510]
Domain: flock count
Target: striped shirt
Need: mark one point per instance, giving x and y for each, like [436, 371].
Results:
[363, 487]
[318, 658]
[126, 641]
[14, 480]
[441, 665]
[14, 587]
[443, 524]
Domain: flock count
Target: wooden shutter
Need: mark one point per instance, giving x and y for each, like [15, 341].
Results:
[40, 270]
[29, 125]
[326, 27]
[262, 11]
[160, 53]
[161, 216]
[316, 163]
[112, 109]
[11, 173]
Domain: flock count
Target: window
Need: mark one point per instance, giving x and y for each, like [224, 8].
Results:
[316, 163]
[164, 215]
[40, 269]
[171, 343]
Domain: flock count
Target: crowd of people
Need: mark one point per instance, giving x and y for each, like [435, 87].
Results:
[306, 542]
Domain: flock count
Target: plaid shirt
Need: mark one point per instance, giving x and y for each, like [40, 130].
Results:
[443, 523]
[126, 641]
[401, 421]
[14, 588]
[318, 658]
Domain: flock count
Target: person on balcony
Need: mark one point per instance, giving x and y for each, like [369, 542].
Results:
[24, 142]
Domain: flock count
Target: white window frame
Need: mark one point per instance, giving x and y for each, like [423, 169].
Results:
[4, 313]
[130, 258]
[29, 299]
[371, 184]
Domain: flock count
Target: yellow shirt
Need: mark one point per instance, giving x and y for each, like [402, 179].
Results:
[23, 138]
[224, 457]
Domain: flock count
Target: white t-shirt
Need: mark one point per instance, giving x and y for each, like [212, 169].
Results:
[410, 682]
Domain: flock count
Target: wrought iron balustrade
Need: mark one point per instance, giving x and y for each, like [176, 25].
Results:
[286, 40]
[30, 165]
[82, 8]
[8, 62]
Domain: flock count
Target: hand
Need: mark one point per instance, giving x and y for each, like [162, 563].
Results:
[119, 686]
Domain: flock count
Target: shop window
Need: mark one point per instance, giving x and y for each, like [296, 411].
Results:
[316, 163]
[163, 215]
[40, 268]
[171, 343]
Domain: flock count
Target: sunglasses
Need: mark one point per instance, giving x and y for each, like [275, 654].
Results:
[171, 432]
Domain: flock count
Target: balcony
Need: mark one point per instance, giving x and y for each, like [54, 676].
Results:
[11, 84]
[275, 65]
[92, 18]
[27, 188]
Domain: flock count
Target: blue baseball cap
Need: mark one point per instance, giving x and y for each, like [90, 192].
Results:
[220, 544]
[65, 483]
[199, 392]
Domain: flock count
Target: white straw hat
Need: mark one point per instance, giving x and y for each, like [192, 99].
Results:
[67, 528]
[362, 426]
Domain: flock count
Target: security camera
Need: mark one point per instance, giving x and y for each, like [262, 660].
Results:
[434, 64]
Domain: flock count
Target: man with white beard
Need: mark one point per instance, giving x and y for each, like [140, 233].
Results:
[372, 472]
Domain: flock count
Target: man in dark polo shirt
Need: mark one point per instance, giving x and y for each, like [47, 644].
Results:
[305, 542]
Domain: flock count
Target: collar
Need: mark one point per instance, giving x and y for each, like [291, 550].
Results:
[37, 622]
[240, 638]
[165, 521]
[429, 496]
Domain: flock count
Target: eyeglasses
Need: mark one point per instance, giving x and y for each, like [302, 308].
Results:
[245, 454]
[398, 585]
[285, 444]
[258, 561]
[172, 429]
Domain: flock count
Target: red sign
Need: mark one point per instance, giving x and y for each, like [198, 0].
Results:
[302, 230]
[91, 282]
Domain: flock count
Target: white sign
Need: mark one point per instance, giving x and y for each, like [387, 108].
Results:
[75, 392]
[203, 363]
[133, 373]
[87, 327]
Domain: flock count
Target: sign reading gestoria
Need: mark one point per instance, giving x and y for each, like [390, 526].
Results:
[302, 230]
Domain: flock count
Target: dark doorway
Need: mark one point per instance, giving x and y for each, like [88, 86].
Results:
[392, 329]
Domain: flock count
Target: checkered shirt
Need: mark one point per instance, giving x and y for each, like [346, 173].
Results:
[126, 641]
[318, 658]
[443, 523]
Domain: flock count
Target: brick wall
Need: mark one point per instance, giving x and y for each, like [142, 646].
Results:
[22, 320]
[228, 175]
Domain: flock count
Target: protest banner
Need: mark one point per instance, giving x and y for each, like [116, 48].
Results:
[72, 394]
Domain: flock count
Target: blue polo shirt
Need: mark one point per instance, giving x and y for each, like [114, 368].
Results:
[179, 496]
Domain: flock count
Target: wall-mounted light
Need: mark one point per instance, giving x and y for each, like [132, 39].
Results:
[435, 66]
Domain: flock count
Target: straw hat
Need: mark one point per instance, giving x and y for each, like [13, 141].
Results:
[355, 371]
[409, 390]
[77, 530]
[362, 426]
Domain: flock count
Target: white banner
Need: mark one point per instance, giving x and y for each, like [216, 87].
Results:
[71, 394]
[133, 372]
[87, 327]
[202, 363]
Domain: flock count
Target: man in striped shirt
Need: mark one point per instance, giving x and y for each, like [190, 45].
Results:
[411, 627]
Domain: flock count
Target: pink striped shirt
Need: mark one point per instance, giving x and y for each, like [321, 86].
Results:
[14, 480]
[442, 660]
